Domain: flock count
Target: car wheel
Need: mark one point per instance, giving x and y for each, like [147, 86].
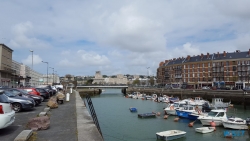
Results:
[17, 107]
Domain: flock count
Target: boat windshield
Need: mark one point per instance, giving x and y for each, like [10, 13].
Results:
[212, 114]
[178, 105]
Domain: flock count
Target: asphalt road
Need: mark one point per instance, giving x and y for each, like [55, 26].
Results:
[63, 124]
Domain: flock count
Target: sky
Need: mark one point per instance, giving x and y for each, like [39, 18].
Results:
[80, 37]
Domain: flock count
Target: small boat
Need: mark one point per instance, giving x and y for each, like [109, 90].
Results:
[235, 123]
[204, 130]
[147, 115]
[233, 133]
[173, 99]
[218, 103]
[132, 109]
[170, 135]
[217, 116]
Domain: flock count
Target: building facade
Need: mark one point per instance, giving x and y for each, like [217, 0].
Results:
[217, 69]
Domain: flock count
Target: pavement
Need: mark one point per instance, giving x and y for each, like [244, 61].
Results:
[71, 121]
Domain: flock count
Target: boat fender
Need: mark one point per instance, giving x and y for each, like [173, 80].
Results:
[166, 116]
[212, 124]
[176, 119]
[158, 114]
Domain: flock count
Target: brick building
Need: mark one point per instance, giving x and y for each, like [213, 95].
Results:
[217, 69]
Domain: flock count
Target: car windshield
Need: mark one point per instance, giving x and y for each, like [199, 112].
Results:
[9, 94]
[24, 91]
[3, 99]
[212, 114]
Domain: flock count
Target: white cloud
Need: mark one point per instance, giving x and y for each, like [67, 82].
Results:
[23, 37]
[36, 60]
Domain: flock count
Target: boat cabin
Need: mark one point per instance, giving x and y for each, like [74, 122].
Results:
[218, 102]
[217, 113]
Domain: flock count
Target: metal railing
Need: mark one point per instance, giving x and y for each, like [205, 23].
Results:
[93, 114]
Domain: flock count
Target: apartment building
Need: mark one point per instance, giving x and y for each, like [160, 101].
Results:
[217, 69]
[6, 72]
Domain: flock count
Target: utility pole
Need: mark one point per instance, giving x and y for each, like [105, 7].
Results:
[47, 71]
[32, 65]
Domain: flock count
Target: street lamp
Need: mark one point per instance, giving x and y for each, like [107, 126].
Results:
[32, 57]
[53, 75]
[148, 75]
[47, 70]
[32, 65]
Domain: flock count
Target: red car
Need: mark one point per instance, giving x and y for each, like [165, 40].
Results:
[32, 91]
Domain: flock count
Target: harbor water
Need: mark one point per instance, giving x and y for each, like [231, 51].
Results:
[119, 124]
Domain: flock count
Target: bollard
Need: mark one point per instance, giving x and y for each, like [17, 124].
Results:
[71, 90]
[67, 97]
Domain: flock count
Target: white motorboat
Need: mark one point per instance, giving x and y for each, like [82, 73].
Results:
[170, 135]
[217, 116]
[171, 108]
[235, 123]
[204, 130]
[197, 101]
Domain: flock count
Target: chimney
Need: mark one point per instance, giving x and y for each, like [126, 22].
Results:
[188, 57]
[166, 61]
[202, 56]
[224, 54]
[174, 59]
[207, 55]
[218, 54]
[249, 52]
[161, 64]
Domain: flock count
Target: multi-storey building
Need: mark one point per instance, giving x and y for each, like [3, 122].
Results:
[6, 71]
[217, 69]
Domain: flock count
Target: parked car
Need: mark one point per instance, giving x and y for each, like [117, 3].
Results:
[205, 88]
[44, 93]
[225, 88]
[31, 91]
[234, 88]
[24, 93]
[246, 89]
[19, 103]
[7, 114]
[48, 88]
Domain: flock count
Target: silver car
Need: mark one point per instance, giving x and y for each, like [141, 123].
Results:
[7, 114]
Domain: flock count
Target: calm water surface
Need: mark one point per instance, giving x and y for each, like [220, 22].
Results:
[119, 124]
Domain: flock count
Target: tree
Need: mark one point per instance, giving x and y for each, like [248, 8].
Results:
[136, 82]
[104, 76]
[89, 81]
[151, 81]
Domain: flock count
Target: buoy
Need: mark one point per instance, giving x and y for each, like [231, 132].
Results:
[165, 117]
[191, 124]
[176, 119]
[158, 114]
[212, 124]
[214, 128]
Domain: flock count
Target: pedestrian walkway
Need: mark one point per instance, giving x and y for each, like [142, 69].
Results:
[71, 121]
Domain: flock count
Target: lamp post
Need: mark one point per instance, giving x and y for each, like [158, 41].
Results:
[148, 75]
[53, 75]
[47, 70]
[32, 65]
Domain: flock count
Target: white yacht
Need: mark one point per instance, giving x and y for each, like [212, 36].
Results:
[216, 116]
[235, 123]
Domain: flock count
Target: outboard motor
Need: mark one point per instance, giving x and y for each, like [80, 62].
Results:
[248, 121]
[206, 107]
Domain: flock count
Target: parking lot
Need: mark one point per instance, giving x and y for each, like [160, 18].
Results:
[21, 120]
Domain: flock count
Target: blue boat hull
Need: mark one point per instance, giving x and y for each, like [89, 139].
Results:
[192, 117]
[183, 114]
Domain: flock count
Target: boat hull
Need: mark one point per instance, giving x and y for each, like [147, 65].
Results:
[193, 117]
[170, 137]
[204, 130]
[208, 121]
[234, 126]
[171, 112]
[182, 114]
